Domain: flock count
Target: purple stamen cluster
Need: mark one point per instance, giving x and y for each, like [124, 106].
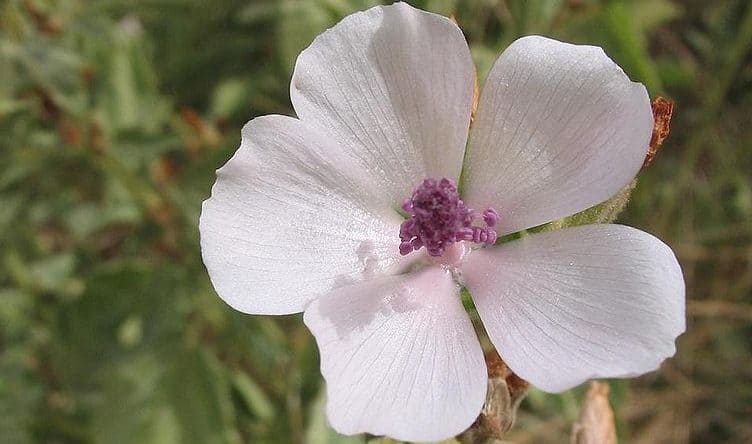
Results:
[439, 218]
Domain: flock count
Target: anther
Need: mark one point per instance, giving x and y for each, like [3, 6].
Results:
[439, 218]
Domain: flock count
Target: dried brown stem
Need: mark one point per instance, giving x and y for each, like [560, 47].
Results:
[596, 423]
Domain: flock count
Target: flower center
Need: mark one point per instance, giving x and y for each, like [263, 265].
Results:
[439, 218]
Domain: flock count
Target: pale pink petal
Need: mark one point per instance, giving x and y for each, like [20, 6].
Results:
[400, 357]
[593, 301]
[394, 84]
[291, 217]
[559, 128]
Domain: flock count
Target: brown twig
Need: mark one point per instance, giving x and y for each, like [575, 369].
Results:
[596, 423]
[663, 110]
[505, 392]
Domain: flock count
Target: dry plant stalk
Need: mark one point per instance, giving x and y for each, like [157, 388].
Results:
[505, 392]
[596, 423]
[476, 99]
[663, 110]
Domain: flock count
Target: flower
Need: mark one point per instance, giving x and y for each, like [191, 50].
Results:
[352, 213]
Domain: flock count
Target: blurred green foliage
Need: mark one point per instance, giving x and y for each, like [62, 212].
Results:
[114, 115]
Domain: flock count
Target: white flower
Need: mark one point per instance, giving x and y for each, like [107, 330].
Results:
[306, 217]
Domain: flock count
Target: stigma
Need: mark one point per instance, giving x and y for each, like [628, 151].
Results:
[438, 218]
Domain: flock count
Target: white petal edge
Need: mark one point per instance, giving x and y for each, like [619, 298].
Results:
[566, 306]
[400, 357]
[291, 217]
[394, 84]
[559, 128]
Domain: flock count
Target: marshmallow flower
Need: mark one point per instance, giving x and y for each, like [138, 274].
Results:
[378, 203]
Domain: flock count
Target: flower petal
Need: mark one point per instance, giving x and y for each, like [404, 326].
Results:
[593, 301]
[394, 84]
[559, 128]
[289, 218]
[400, 357]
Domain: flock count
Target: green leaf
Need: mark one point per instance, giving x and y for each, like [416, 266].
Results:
[630, 43]
[303, 22]
[230, 97]
[199, 392]
[133, 407]
[52, 273]
[253, 395]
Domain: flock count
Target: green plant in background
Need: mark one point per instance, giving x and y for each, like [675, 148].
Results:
[113, 116]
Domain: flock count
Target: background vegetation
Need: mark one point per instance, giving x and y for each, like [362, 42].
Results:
[114, 115]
